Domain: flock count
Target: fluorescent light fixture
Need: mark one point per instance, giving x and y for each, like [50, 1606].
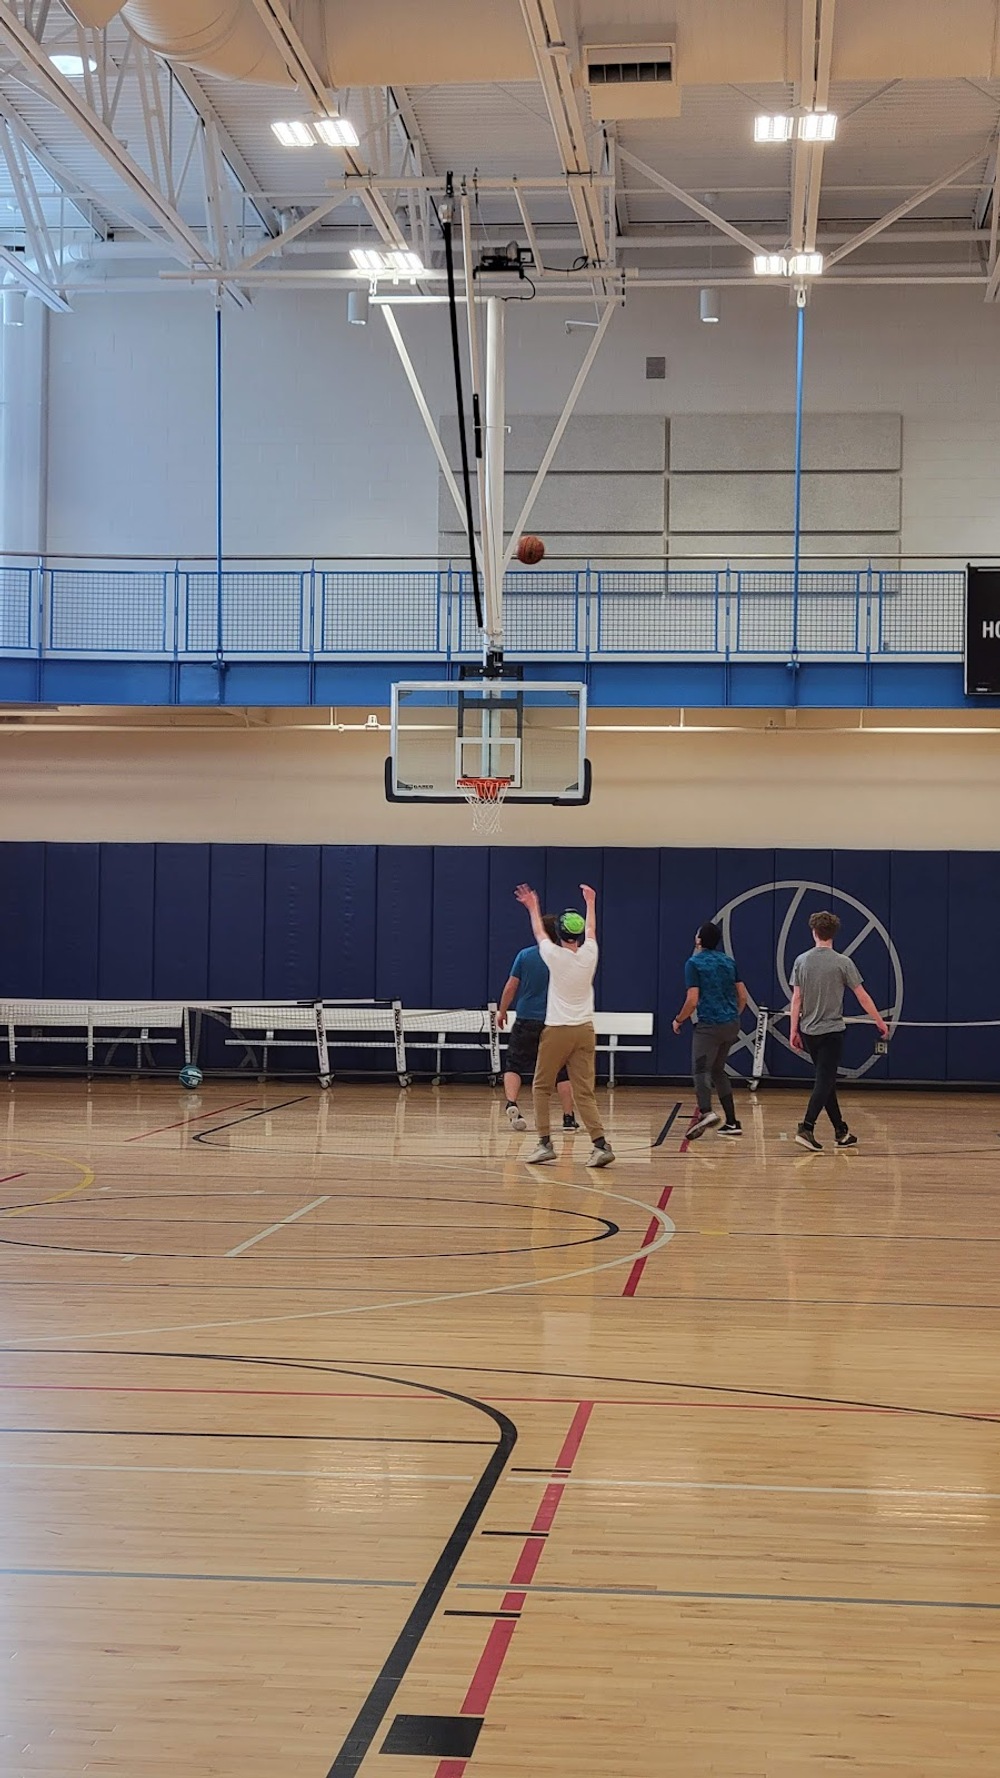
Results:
[294, 134]
[770, 265]
[818, 126]
[805, 265]
[708, 305]
[773, 129]
[380, 261]
[336, 132]
[72, 66]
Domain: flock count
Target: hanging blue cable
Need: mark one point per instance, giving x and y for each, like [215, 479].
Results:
[800, 335]
[219, 638]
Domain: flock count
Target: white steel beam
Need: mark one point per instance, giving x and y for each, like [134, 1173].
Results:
[310, 82]
[691, 203]
[903, 209]
[425, 414]
[199, 100]
[560, 427]
[69, 99]
[555, 73]
[30, 205]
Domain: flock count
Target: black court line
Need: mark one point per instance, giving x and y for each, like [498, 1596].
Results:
[489, 1614]
[378, 1701]
[318, 1259]
[515, 1533]
[664, 1133]
[265, 1111]
[307, 1438]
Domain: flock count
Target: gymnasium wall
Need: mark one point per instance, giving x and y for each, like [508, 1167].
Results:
[325, 452]
[438, 926]
[808, 785]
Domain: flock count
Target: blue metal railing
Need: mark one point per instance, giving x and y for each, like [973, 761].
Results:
[314, 612]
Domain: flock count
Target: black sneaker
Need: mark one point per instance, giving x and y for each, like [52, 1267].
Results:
[733, 1129]
[806, 1139]
[569, 1121]
[845, 1139]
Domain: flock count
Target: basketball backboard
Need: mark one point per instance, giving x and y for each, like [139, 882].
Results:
[531, 733]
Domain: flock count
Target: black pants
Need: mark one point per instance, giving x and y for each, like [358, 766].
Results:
[825, 1051]
[710, 1045]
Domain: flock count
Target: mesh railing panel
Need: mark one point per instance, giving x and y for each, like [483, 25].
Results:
[262, 613]
[660, 612]
[111, 610]
[542, 613]
[383, 611]
[17, 603]
[829, 616]
[921, 611]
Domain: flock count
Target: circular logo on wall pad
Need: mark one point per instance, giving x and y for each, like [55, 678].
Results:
[859, 928]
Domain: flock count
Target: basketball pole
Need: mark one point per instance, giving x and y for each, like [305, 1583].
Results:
[496, 438]
[479, 403]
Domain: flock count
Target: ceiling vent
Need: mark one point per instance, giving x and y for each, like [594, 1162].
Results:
[632, 79]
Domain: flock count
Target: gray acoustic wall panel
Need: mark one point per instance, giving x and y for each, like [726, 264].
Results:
[756, 442]
[605, 443]
[752, 503]
[619, 504]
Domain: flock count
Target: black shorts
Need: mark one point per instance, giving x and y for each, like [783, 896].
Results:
[522, 1048]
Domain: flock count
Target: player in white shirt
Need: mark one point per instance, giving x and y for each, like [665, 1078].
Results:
[568, 1038]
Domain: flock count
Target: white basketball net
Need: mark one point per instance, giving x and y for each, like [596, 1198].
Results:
[485, 798]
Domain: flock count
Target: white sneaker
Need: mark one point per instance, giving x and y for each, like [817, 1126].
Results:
[544, 1152]
[601, 1157]
[701, 1123]
[515, 1119]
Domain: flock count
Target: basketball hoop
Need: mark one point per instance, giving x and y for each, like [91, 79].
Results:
[485, 798]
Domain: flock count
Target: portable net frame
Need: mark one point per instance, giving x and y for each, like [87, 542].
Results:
[485, 798]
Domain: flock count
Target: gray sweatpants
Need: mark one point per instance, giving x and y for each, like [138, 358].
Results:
[710, 1046]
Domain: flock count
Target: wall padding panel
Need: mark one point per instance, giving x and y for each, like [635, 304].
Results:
[716, 442]
[439, 925]
[599, 443]
[766, 503]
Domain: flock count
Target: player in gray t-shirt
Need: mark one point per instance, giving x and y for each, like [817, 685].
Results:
[819, 979]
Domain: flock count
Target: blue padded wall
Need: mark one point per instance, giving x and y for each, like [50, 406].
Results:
[437, 926]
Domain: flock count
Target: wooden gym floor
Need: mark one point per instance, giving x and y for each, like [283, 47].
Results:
[336, 1439]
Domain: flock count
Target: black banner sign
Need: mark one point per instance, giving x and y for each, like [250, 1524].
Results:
[982, 632]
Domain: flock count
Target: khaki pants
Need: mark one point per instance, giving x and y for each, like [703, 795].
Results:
[570, 1047]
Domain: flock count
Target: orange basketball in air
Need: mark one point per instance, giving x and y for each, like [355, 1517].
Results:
[530, 551]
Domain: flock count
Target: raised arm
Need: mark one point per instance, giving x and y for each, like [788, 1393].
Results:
[590, 903]
[865, 1000]
[528, 898]
[507, 999]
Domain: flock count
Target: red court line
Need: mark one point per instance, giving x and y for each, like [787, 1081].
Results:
[632, 1281]
[8, 1177]
[215, 1112]
[498, 1641]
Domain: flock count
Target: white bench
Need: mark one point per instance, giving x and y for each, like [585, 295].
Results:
[145, 1023]
[614, 1026]
[315, 1026]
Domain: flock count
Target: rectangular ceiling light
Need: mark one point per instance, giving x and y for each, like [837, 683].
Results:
[392, 260]
[336, 132]
[818, 126]
[295, 134]
[773, 129]
[805, 265]
[770, 265]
